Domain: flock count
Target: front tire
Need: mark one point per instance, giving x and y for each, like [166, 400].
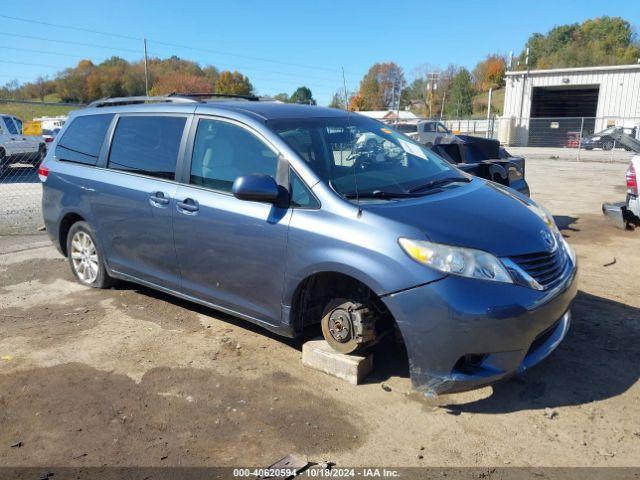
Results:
[85, 257]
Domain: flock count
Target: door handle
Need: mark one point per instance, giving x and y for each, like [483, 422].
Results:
[159, 199]
[188, 206]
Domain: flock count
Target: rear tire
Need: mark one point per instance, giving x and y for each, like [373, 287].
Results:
[3, 162]
[85, 258]
[607, 145]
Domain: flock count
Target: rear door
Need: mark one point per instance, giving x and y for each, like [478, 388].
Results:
[137, 197]
[231, 252]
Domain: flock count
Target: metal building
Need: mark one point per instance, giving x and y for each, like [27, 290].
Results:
[545, 107]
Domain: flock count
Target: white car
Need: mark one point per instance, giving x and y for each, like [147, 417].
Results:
[626, 214]
[16, 147]
[427, 132]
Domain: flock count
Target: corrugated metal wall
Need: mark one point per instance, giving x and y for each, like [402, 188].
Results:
[619, 93]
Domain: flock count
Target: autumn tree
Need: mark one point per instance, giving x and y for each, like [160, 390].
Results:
[490, 73]
[381, 87]
[180, 82]
[233, 83]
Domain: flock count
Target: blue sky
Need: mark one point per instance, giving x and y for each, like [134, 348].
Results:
[283, 44]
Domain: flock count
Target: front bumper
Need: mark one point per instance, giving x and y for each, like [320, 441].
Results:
[462, 333]
[622, 214]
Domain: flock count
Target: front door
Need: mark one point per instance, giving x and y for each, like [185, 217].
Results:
[137, 196]
[230, 252]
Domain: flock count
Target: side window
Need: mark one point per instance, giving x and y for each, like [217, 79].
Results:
[147, 145]
[223, 152]
[8, 121]
[429, 127]
[18, 125]
[301, 196]
[442, 128]
[83, 139]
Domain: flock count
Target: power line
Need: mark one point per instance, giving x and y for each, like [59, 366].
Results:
[46, 52]
[174, 45]
[67, 42]
[70, 27]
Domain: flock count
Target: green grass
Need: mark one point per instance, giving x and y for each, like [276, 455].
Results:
[480, 103]
[28, 112]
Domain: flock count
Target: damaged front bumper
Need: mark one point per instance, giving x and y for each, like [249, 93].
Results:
[462, 333]
[620, 215]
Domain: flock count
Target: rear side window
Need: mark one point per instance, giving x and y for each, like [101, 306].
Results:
[83, 139]
[8, 121]
[147, 145]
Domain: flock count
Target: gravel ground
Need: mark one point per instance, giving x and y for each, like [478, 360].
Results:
[129, 376]
[20, 194]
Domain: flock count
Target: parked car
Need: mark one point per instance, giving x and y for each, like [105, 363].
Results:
[608, 138]
[427, 132]
[16, 147]
[49, 134]
[270, 212]
[626, 215]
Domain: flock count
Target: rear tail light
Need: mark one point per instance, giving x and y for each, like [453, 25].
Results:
[632, 180]
[43, 173]
[48, 139]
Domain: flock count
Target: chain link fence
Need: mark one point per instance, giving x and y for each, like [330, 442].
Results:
[599, 139]
[26, 131]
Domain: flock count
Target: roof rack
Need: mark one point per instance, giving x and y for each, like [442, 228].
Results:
[251, 98]
[116, 101]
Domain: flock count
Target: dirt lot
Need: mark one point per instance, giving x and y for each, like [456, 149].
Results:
[132, 377]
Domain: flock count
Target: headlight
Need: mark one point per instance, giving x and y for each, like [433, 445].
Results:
[465, 262]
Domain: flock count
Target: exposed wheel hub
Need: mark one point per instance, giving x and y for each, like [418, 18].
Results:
[340, 325]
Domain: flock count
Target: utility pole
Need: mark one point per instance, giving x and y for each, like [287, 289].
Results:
[525, 77]
[444, 97]
[146, 70]
[489, 111]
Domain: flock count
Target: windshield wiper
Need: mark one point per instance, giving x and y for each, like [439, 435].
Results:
[380, 194]
[438, 183]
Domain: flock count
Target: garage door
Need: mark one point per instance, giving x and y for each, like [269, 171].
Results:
[557, 112]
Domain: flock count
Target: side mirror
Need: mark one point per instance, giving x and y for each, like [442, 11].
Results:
[256, 187]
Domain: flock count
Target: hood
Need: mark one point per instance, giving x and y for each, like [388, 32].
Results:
[479, 215]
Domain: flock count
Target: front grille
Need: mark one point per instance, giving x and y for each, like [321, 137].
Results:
[544, 267]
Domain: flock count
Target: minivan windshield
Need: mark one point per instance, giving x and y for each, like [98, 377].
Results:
[349, 152]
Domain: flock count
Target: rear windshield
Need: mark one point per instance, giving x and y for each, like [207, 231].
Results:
[83, 139]
[351, 151]
[406, 127]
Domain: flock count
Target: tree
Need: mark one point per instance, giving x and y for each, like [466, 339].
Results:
[381, 87]
[357, 103]
[302, 95]
[461, 94]
[599, 41]
[338, 101]
[282, 97]
[180, 82]
[490, 73]
[233, 83]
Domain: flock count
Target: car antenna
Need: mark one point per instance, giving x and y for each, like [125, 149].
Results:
[355, 176]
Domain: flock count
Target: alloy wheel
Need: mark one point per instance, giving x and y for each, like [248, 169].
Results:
[84, 257]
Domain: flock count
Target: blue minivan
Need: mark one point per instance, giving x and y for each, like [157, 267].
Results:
[290, 216]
